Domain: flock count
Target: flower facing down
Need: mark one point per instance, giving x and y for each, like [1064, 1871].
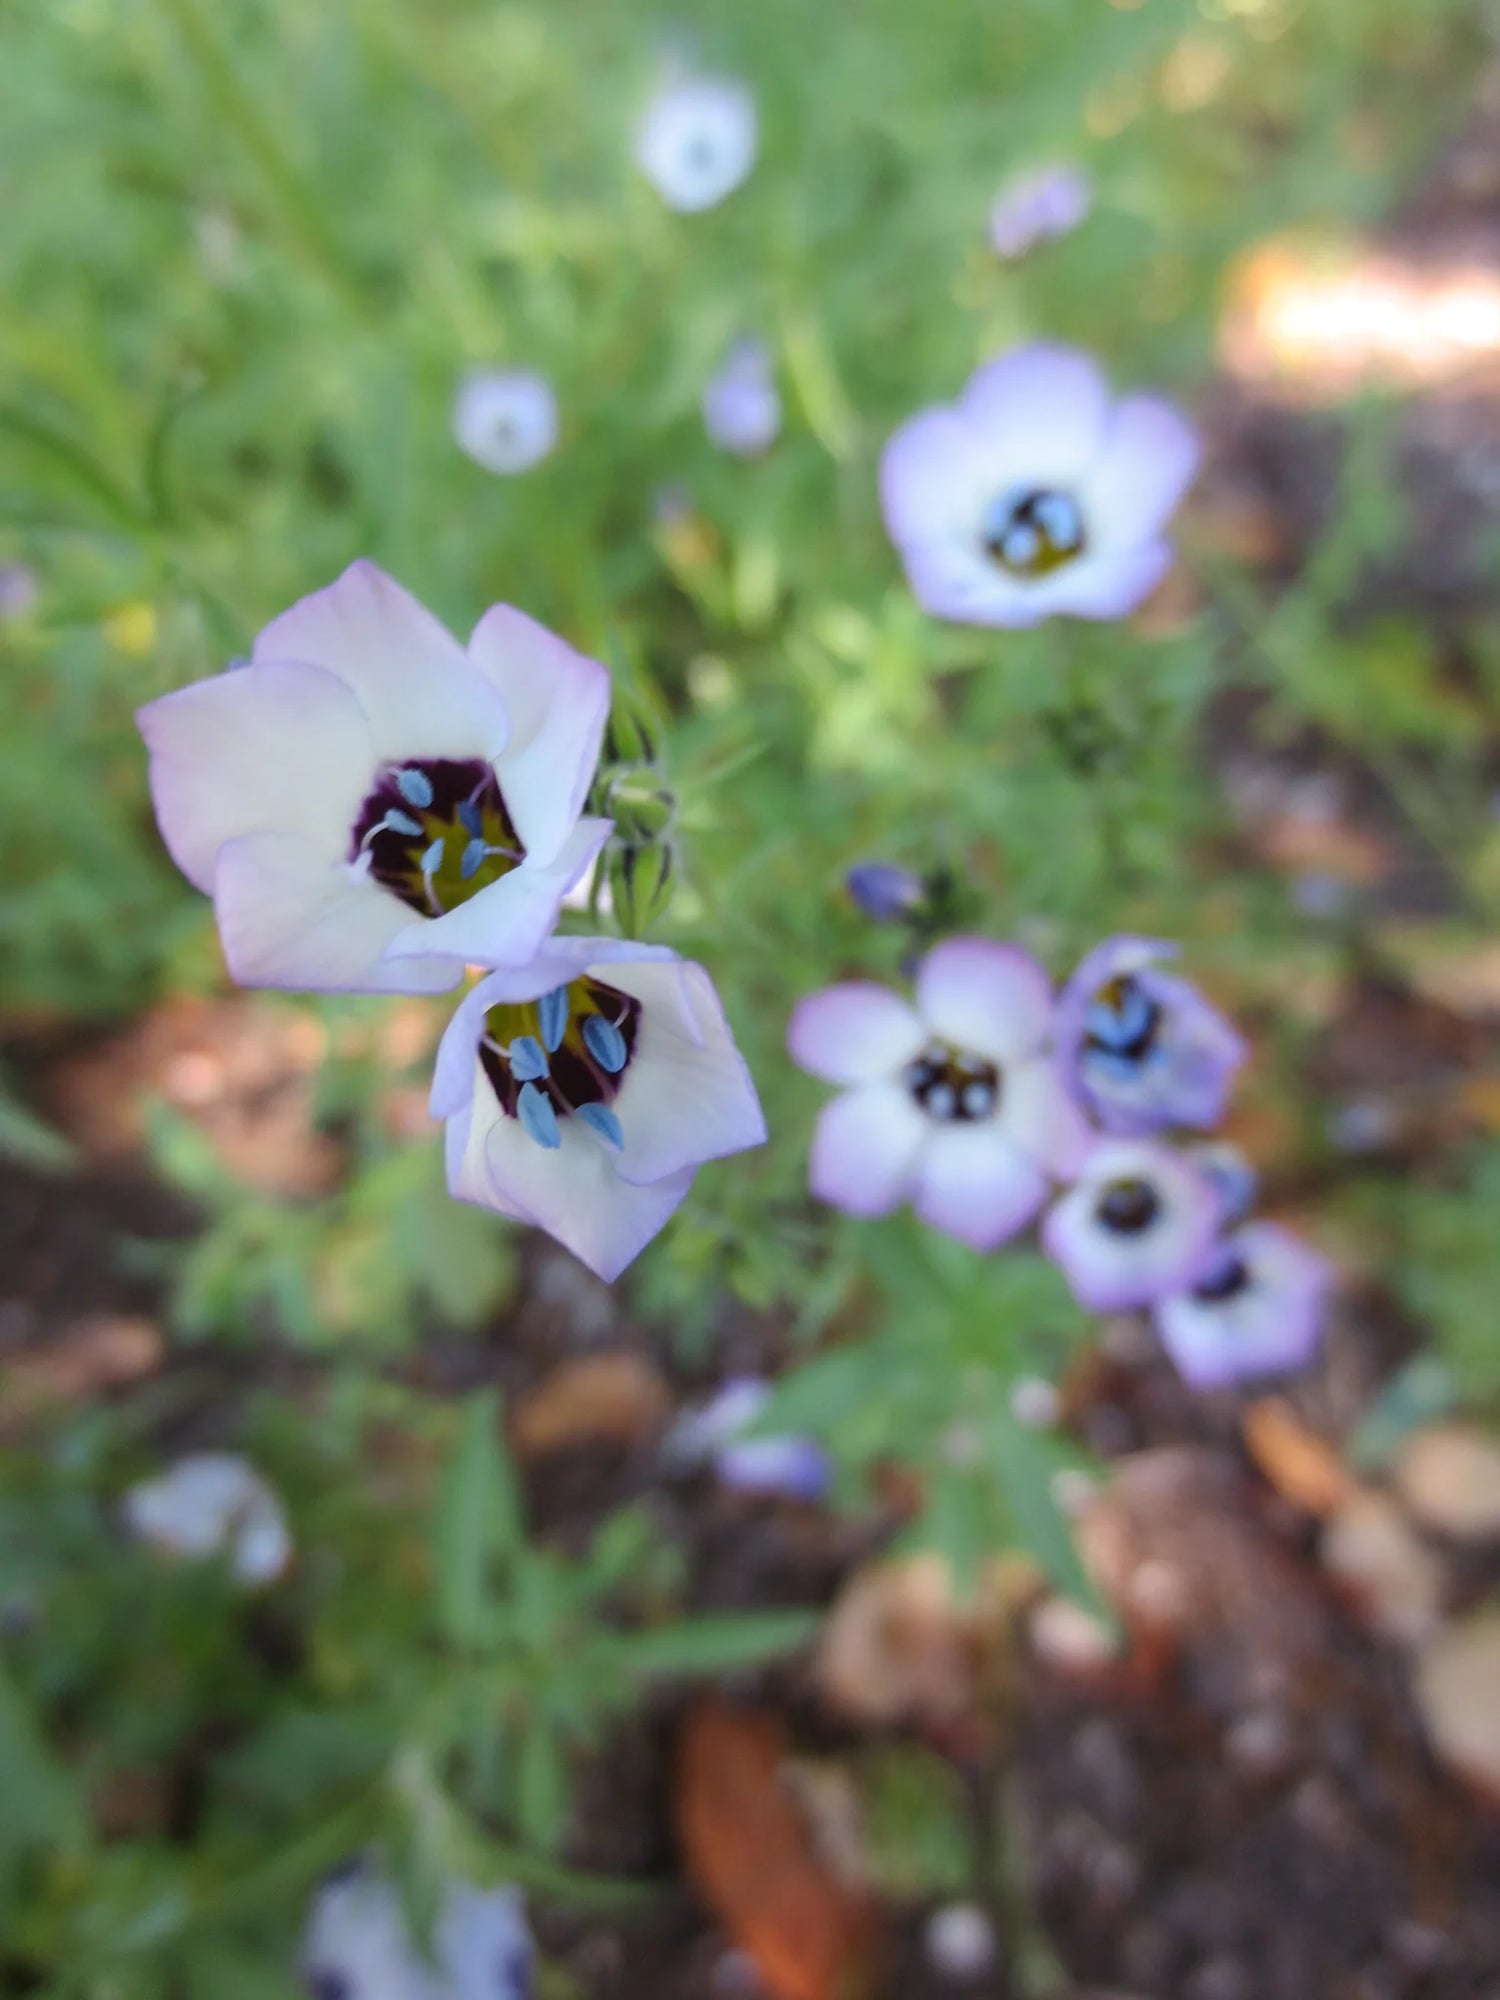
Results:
[697, 141]
[1256, 1309]
[1141, 1048]
[1139, 1225]
[1033, 494]
[505, 418]
[358, 1945]
[792, 1467]
[583, 1092]
[213, 1503]
[953, 1104]
[741, 407]
[1037, 207]
[370, 804]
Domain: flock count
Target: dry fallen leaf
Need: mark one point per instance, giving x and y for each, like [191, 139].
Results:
[618, 1396]
[1456, 1680]
[1372, 1550]
[99, 1352]
[1449, 1476]
[751, 1853]
[1303, 1467]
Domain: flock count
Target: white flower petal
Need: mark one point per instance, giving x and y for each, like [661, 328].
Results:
[854, 1033]
[974, 1185]
[290, 917]
[866, 1148]
[505, 419]
[213, 1503]
[420, 694]
[1040, 413]
[1108, 584]
[936, 483]
[510, 921]
[575, 1194]
[958, 580]
[1038, 1115]
[992, 999]
[1111, 1271]
[1147, 461]
[262, 750]
[558, 702]
[697, 141]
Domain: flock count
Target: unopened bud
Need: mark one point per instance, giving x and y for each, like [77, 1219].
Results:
[629, 739]
[885, 892]
[640, 805]
[640, 882]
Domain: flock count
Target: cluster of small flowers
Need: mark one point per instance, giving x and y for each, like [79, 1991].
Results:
[359, 1945]
[373, 808]
[979, 1097]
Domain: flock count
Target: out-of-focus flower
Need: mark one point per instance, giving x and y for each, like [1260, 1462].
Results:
[1257, 1309]
[697, 140]
[1033, 495]
[505, 418]
[1235, 1180]
[358, 1945]
[952, 1104]
[1141, 1048]
[213, 1503]
[582, 1093]
[1138, 1226]
[793, 1467]
[885, 892]
[18, 592]
[1037, 207]
[369, 804]
[741, 406]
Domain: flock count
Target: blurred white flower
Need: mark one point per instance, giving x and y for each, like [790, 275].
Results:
[358, 1946]
[505, 418]
[213, 1503]
[741, 406]
[697, 141]
[1037, 207]
[712, 1434]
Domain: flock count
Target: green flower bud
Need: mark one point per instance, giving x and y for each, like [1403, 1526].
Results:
[640, 882]
[640, 805]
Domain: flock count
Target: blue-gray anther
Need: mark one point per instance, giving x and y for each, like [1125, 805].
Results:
[538, 1119]
[432, 860]
[552, 1012]
[528, 1059]
[599, 1118]
[400, 822]
[415, 787]
[471, 819]
[473, 859]
[605, 1044]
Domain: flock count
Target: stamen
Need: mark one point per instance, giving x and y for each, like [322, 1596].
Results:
[538, 1119]
[942, 1100]
[552, 1012]
[605, 1044]
[470, 818]
[473, 860]
[528, 1060]
[599, 1118]
[415, 787]
[395, 821]
[977, 1099]
[432, 861]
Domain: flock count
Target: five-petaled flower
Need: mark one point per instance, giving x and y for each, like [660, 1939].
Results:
[1257, 1308]
[697, 140]
[582, 1093]
[1038, 206]
[370, 804]
[953, 1104]
[1032, 495]
[741, 406]
[359, 1943]
[1142, 1049]
[505, 419]
[1138, 1225]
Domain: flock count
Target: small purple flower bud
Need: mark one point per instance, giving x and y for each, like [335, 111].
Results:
[884, 892]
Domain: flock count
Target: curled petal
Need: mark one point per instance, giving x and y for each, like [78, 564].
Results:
[508, 922]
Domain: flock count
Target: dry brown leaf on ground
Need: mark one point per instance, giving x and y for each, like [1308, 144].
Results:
[618, 1396]
[1371, 1549]
[1303, 1467]
[1456, 1684]
[1449, 1476]
[751, 1854]
[102, 1351]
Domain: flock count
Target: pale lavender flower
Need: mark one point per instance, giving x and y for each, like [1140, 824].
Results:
[582, 1093]
[213, 1503]
[370, 804]
[741, 406]
[19, 592]
[885, 892]
[359, 1946]
[1141, 1048]
[1139, 1224]
[1257, 1309]
[792, 1467]
[697, 140]
[1038, 206]
[1233, 1177]
[505, 419]
[952, 1103]
[1033, 495]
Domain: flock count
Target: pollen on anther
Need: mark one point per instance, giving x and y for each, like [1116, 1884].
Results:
[473, 860]
[528, 1060]
[605, 1044]
[400, 822]
[599, 1118]
[432, 860]
[415, 787]
[552, 1012]
[538, 1119]
[471, 819]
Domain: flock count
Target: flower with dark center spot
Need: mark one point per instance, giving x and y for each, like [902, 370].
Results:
[1257, 1308]
[372, 805]
[583, 1092]
[1139, 1224]
[697, 140]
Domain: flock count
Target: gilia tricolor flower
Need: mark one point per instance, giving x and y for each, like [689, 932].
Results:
[505, 419]
[1138, 1225]
[792, 1467]
[582, 1093]
[1037, 207]
[1142, 1049]
[359, 1945]
[952, 1103]
[741, 406]
[1032, 495]
[1256, 1309]
[213, 1503]
[696, 141]
[369, 804]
